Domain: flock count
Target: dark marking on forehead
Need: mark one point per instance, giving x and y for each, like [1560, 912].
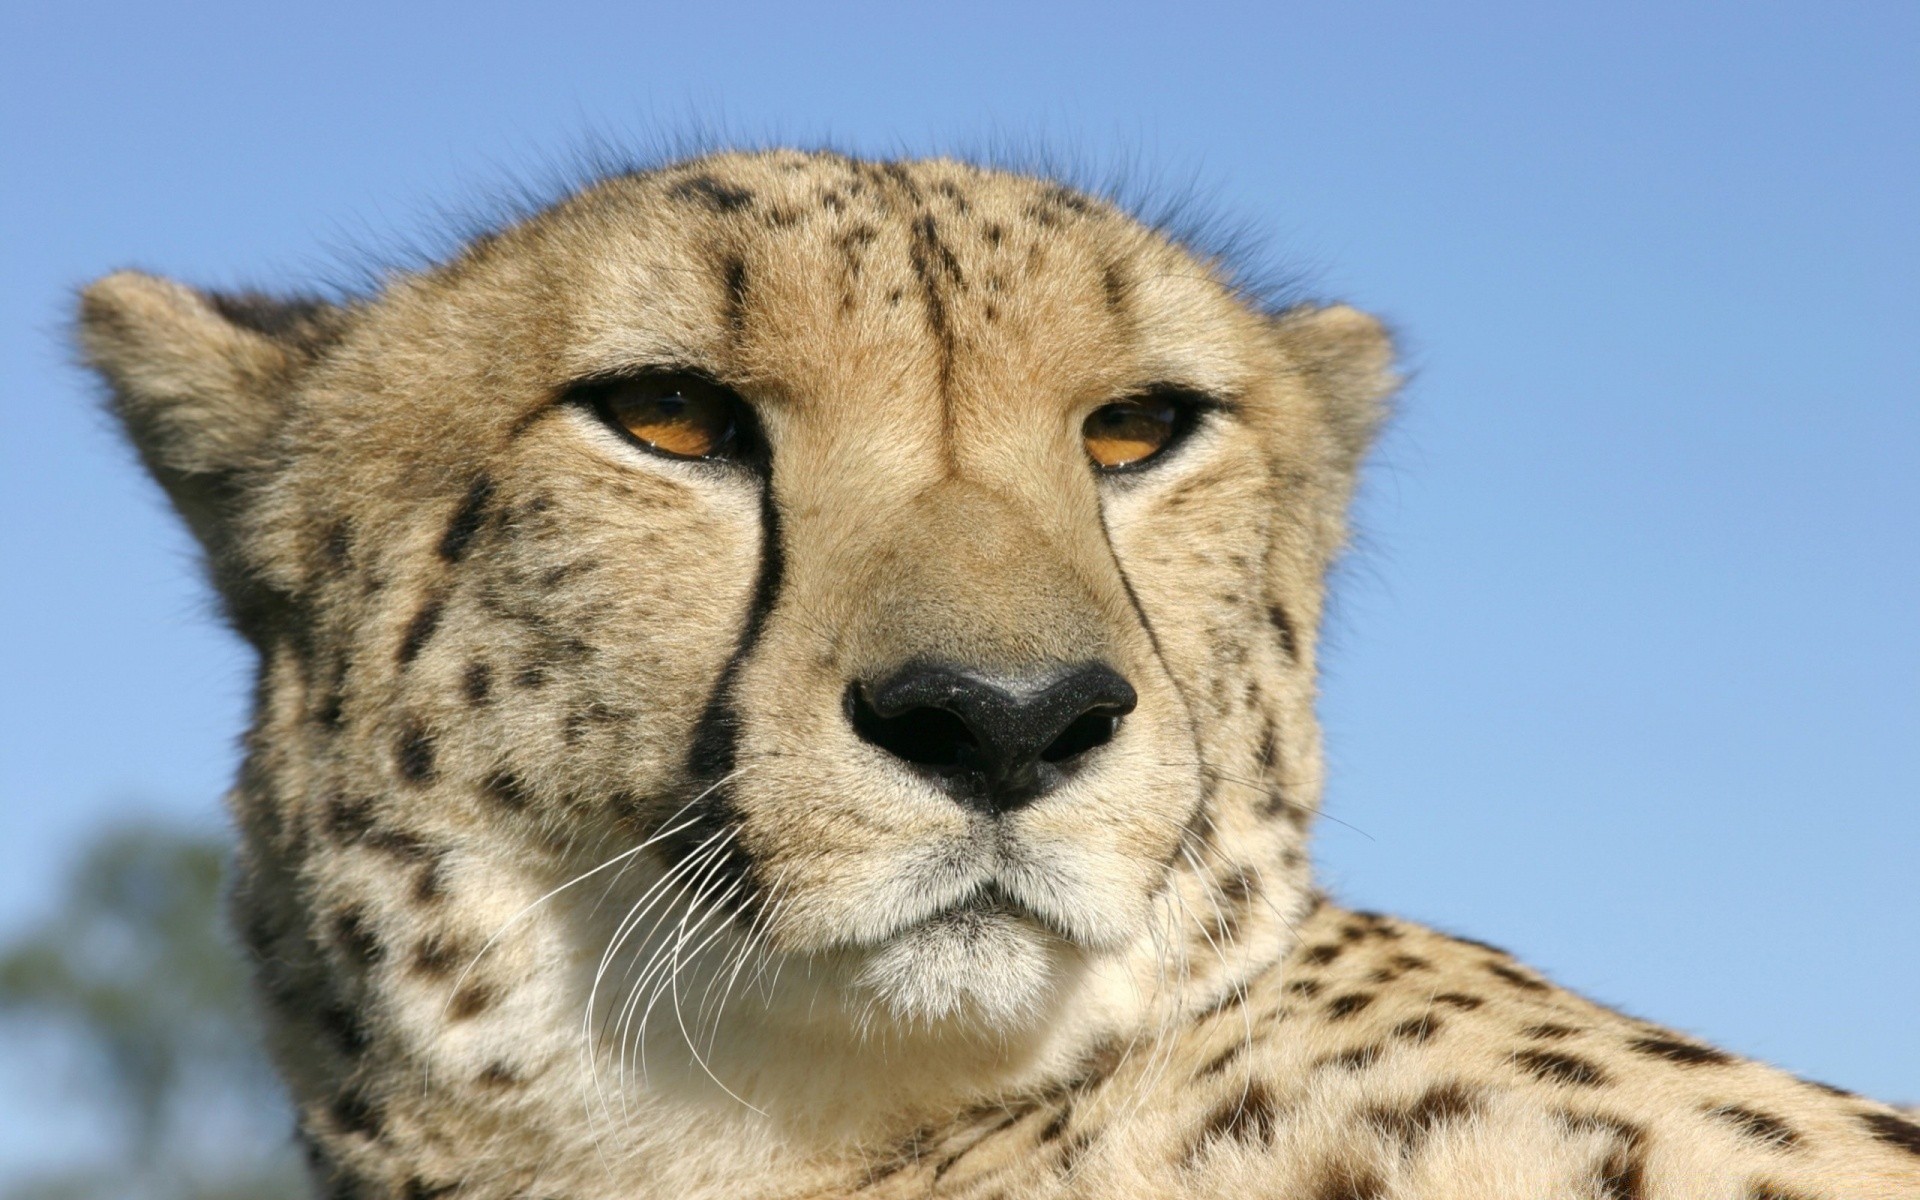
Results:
[1761, 1190]
[1115, 288]
[733, 281]
[1684, 1053]
[1460, 1000]
[477, 683]
[1549, 1032]
[1754, 1125]
[711, 193]
[1308, 988]
[935, 266]
[1341, 1007]
[1556, 1067]
[467, 519]
[1420, 1029]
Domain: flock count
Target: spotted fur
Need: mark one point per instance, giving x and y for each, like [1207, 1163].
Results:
[564, 873]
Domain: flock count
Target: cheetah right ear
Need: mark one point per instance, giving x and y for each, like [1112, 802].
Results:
[200, 381]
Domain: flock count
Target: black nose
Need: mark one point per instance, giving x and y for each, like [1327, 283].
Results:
[995, 743]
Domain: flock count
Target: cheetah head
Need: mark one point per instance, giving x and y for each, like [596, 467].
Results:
[774, 595]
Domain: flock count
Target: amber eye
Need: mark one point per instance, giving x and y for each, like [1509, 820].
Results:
[679, 415]
[1129, 432]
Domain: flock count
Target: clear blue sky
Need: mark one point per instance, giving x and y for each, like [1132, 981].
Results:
[1626, 672]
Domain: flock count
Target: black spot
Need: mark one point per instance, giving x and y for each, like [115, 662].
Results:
[1341, 1007]
[1357, 1058]
[353, 1112]
[1549, 1032]
[1222, 1060]
[1304, 987]
[337, 549]
[498, 1077]
[530, 678]
[438, 956]
[1761, 1127]
[505, 788]
[1892, 1130]
[1283, 625]
[1771, 1191]
[343, 1026]
[1056, 1126]
[1441, 1105]
[349, 820]
[1829, 1089]
[419, 630]
[470, 1001]
[331, 710]
[467, 519]
[1246, 1118]
[477, 683]
[1320, 956]
[1555, 1067]
[1618, 1128]
[1419, 1029]
[1623, 1175]
[354, 934]
[414, 754]
[711, 193]
[1523, 982]
[1460, 1000]
[1227, 1001]
[1685, 1053]
[1344, 1181]
[1489, 947]
[420, 1189]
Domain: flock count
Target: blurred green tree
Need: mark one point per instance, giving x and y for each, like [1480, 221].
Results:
[135, 980]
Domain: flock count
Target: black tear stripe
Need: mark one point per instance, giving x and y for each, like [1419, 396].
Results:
[714, 751]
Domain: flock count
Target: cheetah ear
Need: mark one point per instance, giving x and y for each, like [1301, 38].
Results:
[1345, 357]
[199, 380]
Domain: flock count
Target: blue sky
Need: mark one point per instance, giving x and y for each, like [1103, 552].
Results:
[1625, 673]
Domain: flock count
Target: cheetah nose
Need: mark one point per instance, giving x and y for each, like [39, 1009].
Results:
[995, 743]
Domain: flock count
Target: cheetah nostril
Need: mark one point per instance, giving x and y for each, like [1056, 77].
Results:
[924, 736]
[1088, 732]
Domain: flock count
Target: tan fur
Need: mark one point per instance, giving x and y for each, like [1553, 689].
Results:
[565, 874]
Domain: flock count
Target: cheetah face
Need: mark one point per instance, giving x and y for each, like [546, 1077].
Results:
[897, 568]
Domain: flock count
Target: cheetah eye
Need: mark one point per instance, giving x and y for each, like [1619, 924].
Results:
[1130, 432]
[675, 414]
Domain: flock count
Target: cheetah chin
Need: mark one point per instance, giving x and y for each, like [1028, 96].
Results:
[786, 676]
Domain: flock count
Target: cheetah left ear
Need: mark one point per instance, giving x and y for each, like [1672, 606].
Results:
[200, 382]
[1345, 357]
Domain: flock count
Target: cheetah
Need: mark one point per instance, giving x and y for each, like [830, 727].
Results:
[784, 675]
